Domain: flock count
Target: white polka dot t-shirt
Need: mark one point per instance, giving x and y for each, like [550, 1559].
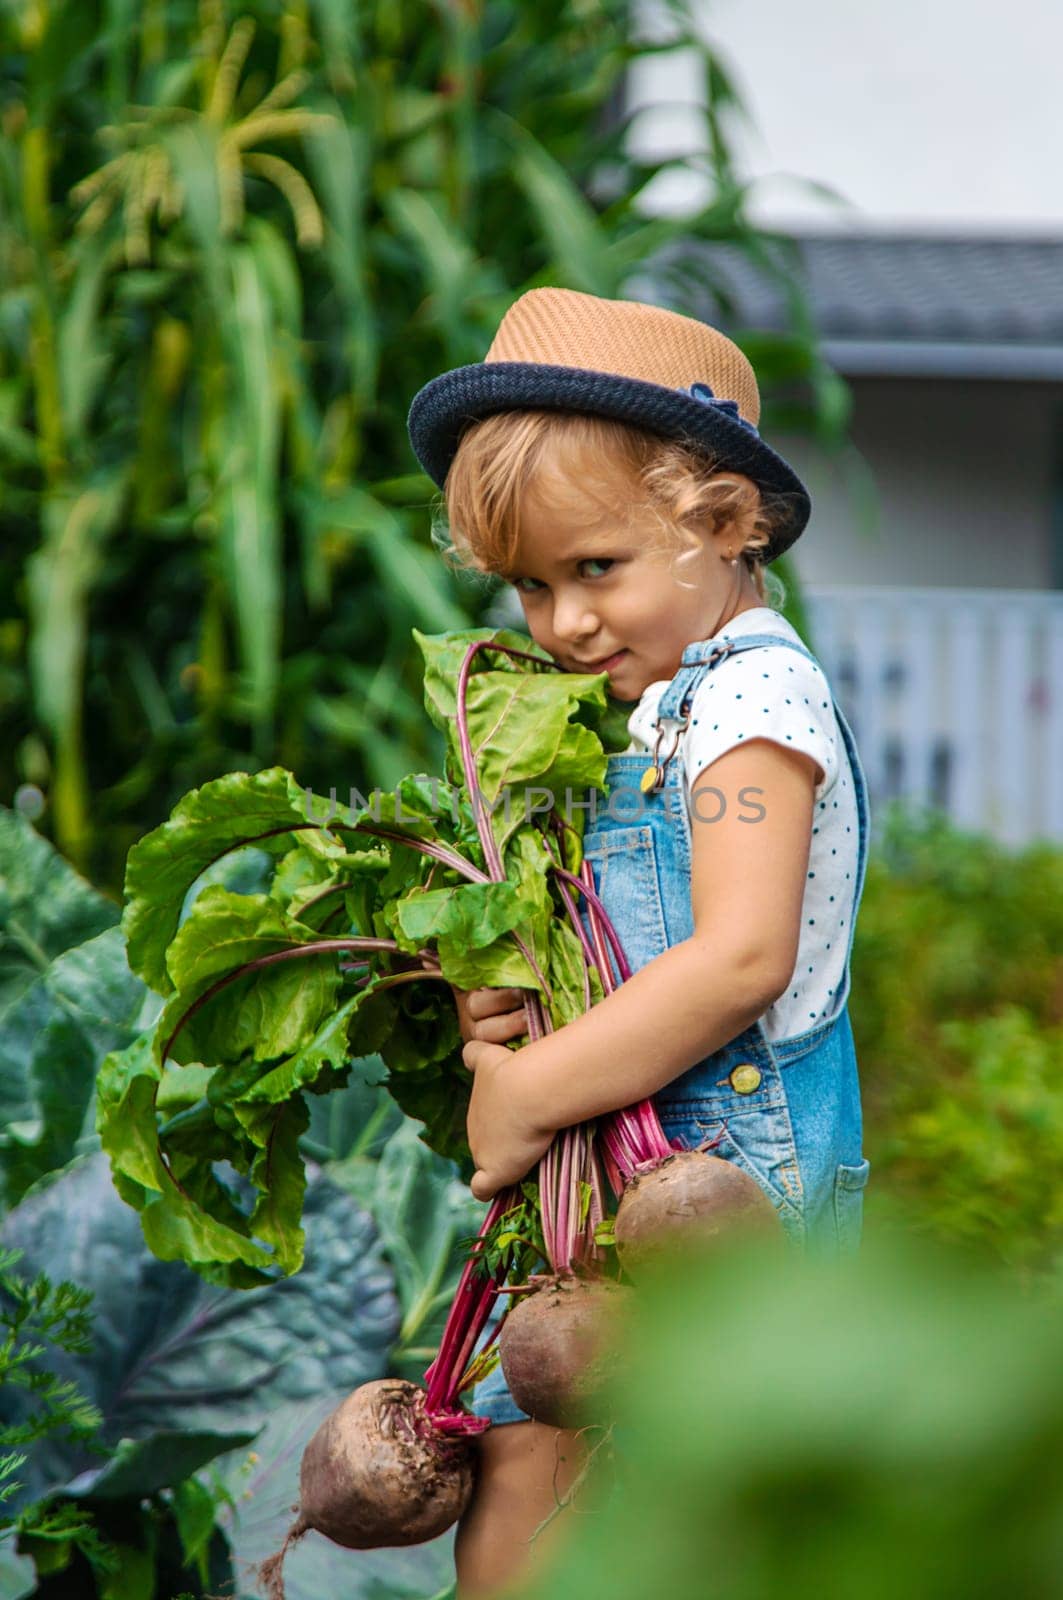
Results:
[766, 693]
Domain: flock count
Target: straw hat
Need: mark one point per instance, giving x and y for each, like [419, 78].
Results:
[669, 374]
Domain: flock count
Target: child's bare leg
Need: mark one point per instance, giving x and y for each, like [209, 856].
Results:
[525, 1468]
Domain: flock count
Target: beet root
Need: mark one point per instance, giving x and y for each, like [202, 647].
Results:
[376, 1473]
[691, 1195]
[557, 1348]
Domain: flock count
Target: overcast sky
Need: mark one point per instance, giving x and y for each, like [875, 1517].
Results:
[928, 114]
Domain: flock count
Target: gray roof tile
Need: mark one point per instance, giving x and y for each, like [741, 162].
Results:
[977, 291]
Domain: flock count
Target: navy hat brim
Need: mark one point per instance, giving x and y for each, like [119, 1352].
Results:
[444, 407]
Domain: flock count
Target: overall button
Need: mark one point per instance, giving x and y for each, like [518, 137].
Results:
[745, 1077]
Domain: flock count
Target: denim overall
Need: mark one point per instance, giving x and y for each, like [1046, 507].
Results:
[787, 1111]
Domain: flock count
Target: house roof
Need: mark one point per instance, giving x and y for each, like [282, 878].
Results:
[901, 304]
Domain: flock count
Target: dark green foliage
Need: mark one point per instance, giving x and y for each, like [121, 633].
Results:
[81, 1529]
[67, 997]
[36, 1313]
[214, 315]
[957, 1009]
[172, 1374]
[171, 1354]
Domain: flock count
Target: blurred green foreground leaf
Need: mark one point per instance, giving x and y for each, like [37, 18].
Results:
[890, 1427]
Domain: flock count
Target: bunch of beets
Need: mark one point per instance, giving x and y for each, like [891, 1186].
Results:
[442, 886]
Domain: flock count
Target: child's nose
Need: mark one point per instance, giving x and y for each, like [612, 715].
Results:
[573, 617]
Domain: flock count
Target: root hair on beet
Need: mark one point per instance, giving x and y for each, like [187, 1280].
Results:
[269, 1572]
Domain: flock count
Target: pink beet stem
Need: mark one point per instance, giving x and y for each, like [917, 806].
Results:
[571, 1155]
[492, 855]
[605, 966]
[632, 1138]
[574, 917]
[469, 1311]
[468, 761]
[642, 1139]
[592, 898]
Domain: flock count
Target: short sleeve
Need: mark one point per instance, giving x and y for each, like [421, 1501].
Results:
[769, 692]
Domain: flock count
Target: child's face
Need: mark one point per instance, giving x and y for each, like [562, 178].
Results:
[597, 601]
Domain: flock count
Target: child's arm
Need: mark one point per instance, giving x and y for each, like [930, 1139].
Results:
[747, 889]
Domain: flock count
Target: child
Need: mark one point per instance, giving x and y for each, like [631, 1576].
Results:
[605, 459]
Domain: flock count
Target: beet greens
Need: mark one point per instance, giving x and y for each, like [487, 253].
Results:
[367, 919]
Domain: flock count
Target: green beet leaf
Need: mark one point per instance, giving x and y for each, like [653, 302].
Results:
[270, 1011]
[530, 750]
[205, 824]
[473, 915]
[567, 969]
[362, 897]
[241, 1113]
[611, 725]
[423, 1028]
[356, 1028]
[523, 733]
[177, 1224]
[303, 878]
[419, 805]
[443, 654]
[280, 1178]
[438, 1098]
[502, 964]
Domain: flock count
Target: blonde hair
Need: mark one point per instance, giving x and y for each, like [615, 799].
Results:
[500, 460]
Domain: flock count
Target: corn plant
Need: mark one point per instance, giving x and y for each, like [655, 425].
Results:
[236, 236]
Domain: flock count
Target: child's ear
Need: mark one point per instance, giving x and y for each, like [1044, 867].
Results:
[746, 489]
[738, 508]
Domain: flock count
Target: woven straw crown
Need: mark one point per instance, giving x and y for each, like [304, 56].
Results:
[657, 370]
[564, 328]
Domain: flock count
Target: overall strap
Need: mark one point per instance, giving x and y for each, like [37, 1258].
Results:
[673, 711]
[698, 659]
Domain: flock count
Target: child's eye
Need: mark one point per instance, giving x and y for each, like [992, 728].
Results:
[532, 585]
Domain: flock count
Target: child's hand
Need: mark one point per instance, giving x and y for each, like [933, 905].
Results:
[505, 1136]
[490, 1015]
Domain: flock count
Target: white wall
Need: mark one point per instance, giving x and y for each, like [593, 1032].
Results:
[929, 114]
[962, 473]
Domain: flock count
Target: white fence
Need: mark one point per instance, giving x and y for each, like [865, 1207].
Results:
[955, 697]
